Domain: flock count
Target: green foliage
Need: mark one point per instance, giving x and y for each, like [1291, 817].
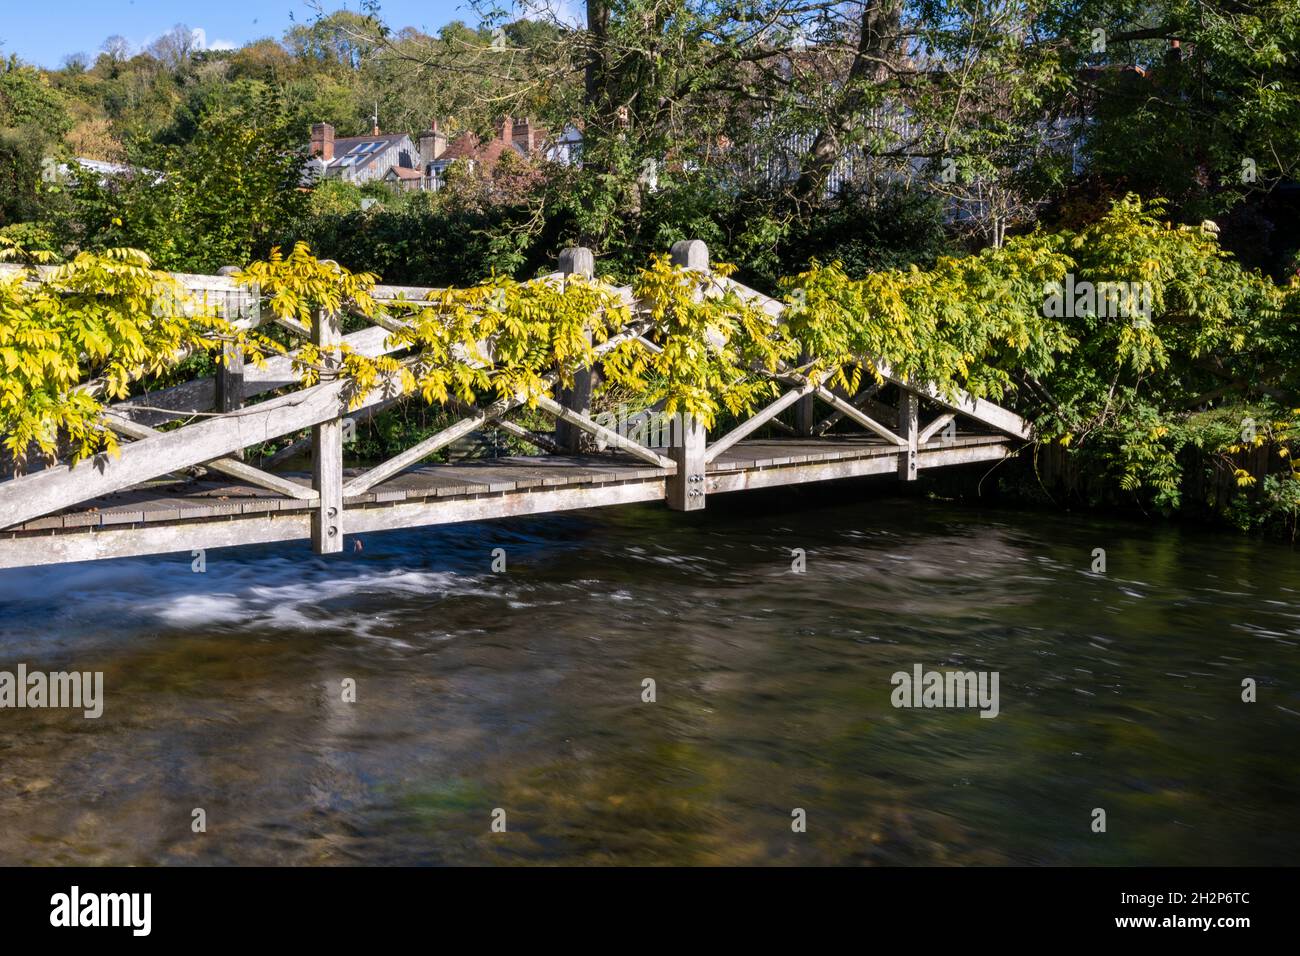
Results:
[33, 117]
[1137, 393]
[1228, 94]
[28, 100]
[82, 332]
[418, 239]
[219, 200]
[709, 349]
[966, 324]
[334, 197]
[506, 337]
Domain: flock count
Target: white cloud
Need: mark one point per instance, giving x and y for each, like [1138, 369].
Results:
[200, 37]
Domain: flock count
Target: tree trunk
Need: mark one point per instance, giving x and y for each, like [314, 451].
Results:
[877, 44]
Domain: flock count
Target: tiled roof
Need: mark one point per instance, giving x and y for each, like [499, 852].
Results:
[469, 146]
[357, 152]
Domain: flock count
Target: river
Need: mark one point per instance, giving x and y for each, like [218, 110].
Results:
[519, 695]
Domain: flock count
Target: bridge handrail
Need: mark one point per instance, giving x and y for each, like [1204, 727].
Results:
[216, 441]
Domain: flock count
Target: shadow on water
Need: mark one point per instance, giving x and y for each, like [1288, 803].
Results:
[523, 691]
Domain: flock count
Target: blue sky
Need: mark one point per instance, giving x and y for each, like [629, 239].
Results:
[45, 32]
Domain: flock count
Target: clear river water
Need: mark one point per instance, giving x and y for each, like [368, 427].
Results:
[519, 695]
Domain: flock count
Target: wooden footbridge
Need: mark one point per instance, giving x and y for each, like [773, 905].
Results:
[190, 488]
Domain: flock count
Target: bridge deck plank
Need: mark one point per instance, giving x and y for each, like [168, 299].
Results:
[167, 501]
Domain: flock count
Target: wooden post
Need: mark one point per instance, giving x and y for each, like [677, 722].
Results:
[686, 488]
[327, 449]
[230, 373]
[576, 261]
[908, 429]
[691, 254]
[805, 418]
[687, 437]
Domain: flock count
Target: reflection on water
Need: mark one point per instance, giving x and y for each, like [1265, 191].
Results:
[522, 691]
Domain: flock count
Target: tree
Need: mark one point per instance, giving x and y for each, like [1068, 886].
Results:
[117, 48]
[217, 200]
[175, 47]
[33, 118]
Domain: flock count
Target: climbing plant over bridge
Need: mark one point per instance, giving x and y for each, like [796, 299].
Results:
[1128, 382]
[966, 324]
[707, 349]
[78, 333]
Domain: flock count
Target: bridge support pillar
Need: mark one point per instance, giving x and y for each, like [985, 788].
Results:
[327, 450]
[688, 439]
[908, 428]
[230, 373]
[686, 488]
[582, 262]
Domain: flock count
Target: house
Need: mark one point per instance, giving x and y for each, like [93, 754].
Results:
[401, 177]
[566, 149]
[359, 159]
[521, 136]
[395, 159]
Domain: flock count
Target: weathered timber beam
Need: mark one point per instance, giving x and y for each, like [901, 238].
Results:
[534, 501]
[420, 295]
[31, 550]
[859, 416]
[760, 419]
[227, 466]
[200, 395]
[576, 261]
[935, 426]
[327, 445]
[190, 282]
[293, 325]
[357, 417]
[908, 431]
[52, 489]
[608, 435]
[230, 371]
[773, 307]
[688, 444]
[842, 406]
[803, 473]
[985, 412]
[858, 401]
[421, 450]
[540, 441]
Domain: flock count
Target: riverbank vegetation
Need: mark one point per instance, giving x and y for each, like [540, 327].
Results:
[1084, 211]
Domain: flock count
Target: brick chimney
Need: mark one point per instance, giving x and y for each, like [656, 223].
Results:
[322, 141]
[505, 129]
[433, 143]
[525, 136]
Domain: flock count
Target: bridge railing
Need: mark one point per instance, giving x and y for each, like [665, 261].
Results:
[227, 423]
